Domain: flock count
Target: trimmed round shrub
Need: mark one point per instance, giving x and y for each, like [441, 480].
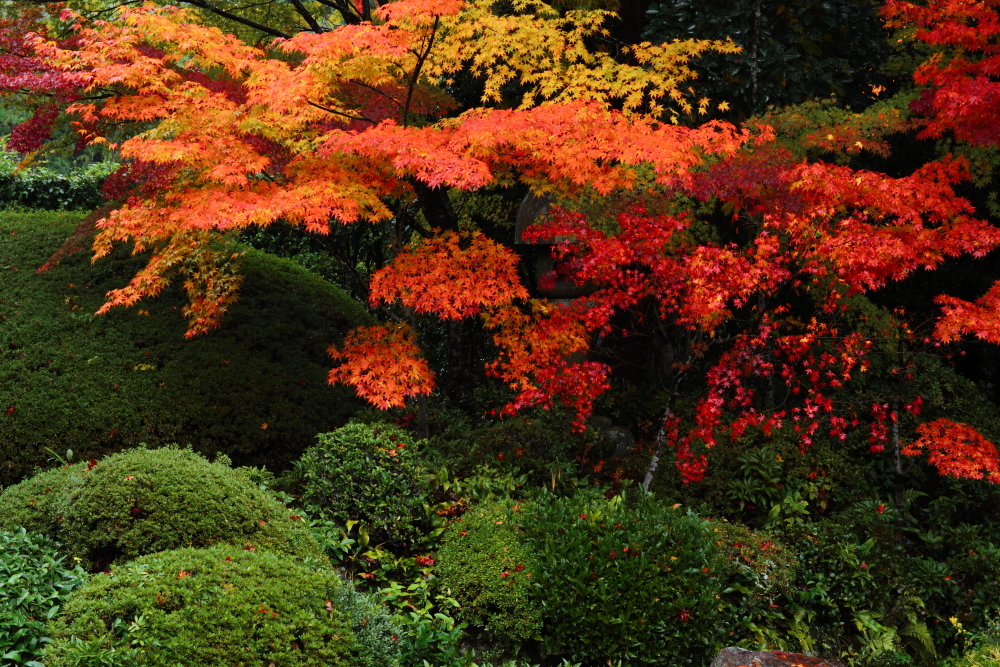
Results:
[486, 568]
[34, 582]
[146, 500]
[33, 503]
[219, 607]
[637, 582]
[254, 389]
[41, 188]
[365, 473]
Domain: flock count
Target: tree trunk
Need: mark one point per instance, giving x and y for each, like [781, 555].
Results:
[661, 437]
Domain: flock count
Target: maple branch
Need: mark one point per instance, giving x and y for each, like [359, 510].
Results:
[340, 113]
[346, 11]
[309, 18]
[416, 71]
[239, 19]
[376, 90]
[436, 206]
[336, 252]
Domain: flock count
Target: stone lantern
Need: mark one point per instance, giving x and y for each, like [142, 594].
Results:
[532, 210]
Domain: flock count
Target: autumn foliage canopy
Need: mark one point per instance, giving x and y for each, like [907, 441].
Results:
[352, 125]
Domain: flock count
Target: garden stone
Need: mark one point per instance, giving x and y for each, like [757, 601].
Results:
[621, 438]
[741, 657]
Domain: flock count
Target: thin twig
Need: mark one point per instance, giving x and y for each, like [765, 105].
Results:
[382, 93]
[341, 113]
[416, 71]
[239, 19]
[309, 18]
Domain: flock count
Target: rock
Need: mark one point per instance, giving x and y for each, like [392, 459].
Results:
[621, 438]
[741, 657]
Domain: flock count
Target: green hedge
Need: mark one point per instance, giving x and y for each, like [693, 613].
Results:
[638, 582]
[143, 501]
[40, 188]
[365, 473]
[256, 389]
[220, 607]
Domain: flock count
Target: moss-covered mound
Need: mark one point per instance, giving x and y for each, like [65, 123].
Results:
[143, 501]
[255, 389]
[220, 607]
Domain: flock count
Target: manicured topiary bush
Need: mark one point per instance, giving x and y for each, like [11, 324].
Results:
[365, 473]
[255, 389]
[143, 501]
[637, 582]
[486, 568]
[35, 581]
[34, 503]
[219, 607]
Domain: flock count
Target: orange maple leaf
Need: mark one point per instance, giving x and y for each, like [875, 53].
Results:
[956, 450]
[451, 276]
[383, 364]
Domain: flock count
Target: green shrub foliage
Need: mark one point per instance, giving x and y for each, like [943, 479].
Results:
[41, 188]
[637, 582]
[35, 581]
[34, 503]
[987, 655]
[143, 501]
[219, 607]
[255, 389]
[485, 566]
[755, 560]
[364, 473]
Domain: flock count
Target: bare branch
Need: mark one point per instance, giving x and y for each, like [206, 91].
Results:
[416, 71]
[345, 9]
[309, 18]
[380, 92]
[340, 113]
[239, 19]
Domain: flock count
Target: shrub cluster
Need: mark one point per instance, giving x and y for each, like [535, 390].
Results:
[255, 389]
[605, 581]
[487, 568]
[637, 582]
[35, 582]
[218, 607]
[364, 473]
[41, 188]
[144, 501]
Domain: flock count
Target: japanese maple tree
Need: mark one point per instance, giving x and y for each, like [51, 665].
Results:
[356, 125]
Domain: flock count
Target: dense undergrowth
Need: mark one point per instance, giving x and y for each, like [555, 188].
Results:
[255, 390]
[513, 541]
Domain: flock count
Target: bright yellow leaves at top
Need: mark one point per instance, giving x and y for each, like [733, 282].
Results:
[546, 52]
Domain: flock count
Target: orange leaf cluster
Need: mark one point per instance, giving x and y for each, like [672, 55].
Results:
[956, 450]
[383, 364]
[450, 276]
[542, 357]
